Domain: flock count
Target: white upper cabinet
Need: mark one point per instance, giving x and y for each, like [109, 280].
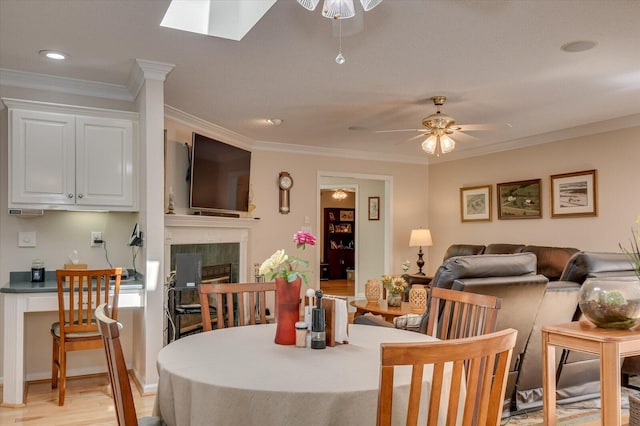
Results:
[71, 158]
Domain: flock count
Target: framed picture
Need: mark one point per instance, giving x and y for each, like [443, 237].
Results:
[574, 194]
[343, 228]
[475, 203]
[374, 208]
[346, 215]
[519, 200]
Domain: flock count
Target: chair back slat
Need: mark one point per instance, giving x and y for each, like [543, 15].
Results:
[118, 375]
[457, 314]
[256, 303]
[80, 291]
[460, 374]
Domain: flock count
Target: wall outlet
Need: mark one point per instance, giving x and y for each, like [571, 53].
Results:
[96, 239]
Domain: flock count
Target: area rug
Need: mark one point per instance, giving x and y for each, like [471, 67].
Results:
[583, 413]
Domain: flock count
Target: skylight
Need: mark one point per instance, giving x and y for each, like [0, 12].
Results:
[231, 19]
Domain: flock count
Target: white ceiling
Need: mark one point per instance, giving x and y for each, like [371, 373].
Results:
[498, 62]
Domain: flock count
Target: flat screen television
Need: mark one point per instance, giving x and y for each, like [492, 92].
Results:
[219, 176]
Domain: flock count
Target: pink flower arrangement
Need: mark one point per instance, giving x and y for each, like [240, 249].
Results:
[282, 265]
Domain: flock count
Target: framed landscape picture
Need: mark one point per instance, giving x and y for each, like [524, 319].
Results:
[519, 200]
[574, 194]
[475, 203]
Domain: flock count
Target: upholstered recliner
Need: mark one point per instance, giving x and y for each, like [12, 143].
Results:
[514, 279]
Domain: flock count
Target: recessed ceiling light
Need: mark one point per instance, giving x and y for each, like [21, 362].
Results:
[274, 121]
[578, 46]
[53, 54]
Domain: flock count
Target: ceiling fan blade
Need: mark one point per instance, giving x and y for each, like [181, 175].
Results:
[412, 138]
[481, 127]
[464, 136]
[400, 130]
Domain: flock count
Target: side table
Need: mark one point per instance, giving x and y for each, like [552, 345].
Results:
[381, 308]
[583, 336]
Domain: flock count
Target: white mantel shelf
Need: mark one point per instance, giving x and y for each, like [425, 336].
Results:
[209, 221]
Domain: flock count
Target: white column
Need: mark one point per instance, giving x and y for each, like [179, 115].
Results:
[149, 333]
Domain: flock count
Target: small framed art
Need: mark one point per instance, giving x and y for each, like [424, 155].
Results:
[574, 194]
[475, 203]
[346, 215]
[374, 208]
[519, 200]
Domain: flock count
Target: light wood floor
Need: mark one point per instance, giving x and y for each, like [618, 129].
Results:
[338, 287]
[88, 402]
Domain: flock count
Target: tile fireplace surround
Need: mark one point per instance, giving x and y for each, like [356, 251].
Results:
[185, 229]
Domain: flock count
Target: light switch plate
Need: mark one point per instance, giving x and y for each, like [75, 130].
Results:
[27, 239]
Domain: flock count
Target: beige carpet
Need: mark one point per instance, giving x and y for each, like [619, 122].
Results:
[584, 413]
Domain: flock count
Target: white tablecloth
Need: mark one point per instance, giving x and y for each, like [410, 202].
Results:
[239, 376]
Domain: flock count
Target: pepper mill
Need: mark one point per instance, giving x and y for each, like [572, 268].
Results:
[318, 334]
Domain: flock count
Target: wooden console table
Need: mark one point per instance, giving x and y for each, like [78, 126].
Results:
[583, 336]
[381, 308]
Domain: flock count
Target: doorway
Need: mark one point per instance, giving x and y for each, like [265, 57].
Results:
[371, 249]
[339, 219]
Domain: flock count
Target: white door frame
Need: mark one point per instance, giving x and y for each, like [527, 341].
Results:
[386, 210]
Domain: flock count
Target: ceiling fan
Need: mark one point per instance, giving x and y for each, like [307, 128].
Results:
[438, 128]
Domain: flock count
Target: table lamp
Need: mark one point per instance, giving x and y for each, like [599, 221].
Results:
[419, 238]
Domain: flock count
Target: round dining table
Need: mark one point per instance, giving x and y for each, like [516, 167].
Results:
[239, 376]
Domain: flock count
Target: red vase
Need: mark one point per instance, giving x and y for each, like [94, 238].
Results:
[287, 310]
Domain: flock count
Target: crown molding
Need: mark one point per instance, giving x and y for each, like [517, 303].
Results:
[202, 126]
[147, 70]
[69, 109]
[32, 80]
[342, 153]
[542, 138]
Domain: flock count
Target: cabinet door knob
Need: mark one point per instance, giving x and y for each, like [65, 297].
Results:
[70, 195]
[79, 195]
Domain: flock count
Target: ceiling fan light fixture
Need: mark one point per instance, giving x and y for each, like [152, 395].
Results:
[429, 145]
[367, 5]
[309, 4]
[338, 9]
[447, 144]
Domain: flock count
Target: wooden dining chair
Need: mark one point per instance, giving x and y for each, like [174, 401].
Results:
[456, 314]
[478, 395]
[79, 292]
[118, 376]
[256, 294]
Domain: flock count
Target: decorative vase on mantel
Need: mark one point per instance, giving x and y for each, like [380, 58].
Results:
[287, 310]
[611, 302]
[394, 299]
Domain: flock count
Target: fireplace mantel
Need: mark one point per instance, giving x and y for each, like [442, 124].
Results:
[196, 221]
[195, 229]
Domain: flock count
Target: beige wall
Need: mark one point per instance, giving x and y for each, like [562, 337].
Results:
[274, 230]
[615, 156]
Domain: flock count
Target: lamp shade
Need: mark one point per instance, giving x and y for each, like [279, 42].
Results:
[420, 237]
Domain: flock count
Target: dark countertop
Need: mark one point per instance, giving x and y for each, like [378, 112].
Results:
[20, 282]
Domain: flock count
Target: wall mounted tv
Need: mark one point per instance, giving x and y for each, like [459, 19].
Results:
[219, 176]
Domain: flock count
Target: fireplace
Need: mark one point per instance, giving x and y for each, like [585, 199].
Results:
[219, 241]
